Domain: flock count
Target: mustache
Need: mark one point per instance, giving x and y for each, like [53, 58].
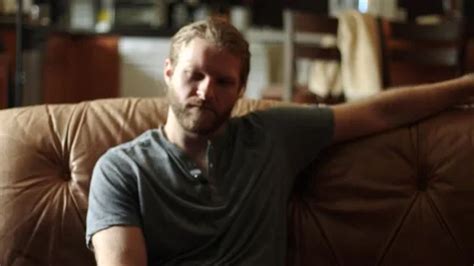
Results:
[197, 102]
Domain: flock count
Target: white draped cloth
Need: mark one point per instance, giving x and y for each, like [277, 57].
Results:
[360, 74]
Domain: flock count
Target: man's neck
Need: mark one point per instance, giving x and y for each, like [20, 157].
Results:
[191, 143]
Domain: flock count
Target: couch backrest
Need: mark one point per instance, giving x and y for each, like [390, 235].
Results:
[404, 197]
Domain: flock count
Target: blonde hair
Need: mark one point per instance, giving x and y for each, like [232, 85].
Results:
[218, 31]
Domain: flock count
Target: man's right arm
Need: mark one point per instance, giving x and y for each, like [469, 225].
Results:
[120, 246]
[113, 217]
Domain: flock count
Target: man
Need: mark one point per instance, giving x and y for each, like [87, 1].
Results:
[207, 189]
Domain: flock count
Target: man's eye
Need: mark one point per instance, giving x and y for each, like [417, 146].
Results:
[194, 76]
[226, 82]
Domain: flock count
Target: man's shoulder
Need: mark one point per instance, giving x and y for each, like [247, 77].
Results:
[278, 114]
[134, 147]
[140, 141]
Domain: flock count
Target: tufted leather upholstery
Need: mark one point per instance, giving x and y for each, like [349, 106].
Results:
[404, 197]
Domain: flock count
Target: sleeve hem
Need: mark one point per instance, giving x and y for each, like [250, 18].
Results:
[102, 225]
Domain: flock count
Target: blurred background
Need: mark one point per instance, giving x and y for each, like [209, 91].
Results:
[76, 50]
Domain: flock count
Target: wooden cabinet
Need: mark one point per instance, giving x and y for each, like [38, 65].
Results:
[80, 67]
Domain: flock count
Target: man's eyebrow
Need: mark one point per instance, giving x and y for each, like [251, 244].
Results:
[187, 64]
[228, 77]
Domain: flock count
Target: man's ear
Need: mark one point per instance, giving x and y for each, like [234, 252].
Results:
[241, 92]
[168, 71]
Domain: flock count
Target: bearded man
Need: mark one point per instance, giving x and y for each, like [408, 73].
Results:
[207, 189]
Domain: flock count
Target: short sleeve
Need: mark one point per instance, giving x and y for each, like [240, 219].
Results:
[113, 198]
[299, 132]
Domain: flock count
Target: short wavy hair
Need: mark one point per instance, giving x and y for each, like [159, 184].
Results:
[218, 31]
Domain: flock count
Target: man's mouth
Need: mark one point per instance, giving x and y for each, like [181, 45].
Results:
[202, 108]
[200, 104]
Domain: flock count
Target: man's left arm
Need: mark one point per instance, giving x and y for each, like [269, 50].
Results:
[396, 107]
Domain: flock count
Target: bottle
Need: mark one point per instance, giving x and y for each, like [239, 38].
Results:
[105, 16]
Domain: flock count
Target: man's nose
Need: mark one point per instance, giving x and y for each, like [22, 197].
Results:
[206, 89]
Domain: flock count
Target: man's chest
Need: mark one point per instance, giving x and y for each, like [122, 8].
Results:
[184, 210]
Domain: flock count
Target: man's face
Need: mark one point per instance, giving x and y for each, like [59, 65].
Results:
[203, 86]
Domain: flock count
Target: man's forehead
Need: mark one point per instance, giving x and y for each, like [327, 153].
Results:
[200, 51]
[202, 44]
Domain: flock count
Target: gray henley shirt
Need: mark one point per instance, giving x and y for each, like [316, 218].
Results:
[233, 215]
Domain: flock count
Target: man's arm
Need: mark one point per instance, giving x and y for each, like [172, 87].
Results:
[396, 107]
[120, 246]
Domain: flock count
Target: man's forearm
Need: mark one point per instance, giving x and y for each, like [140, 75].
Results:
[408, 104]
[399, 106]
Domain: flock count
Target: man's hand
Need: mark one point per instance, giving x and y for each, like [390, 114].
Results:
[470, 100]
[469, 76]
[120, 246]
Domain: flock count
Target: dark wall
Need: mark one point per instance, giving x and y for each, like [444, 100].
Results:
[416, 8]
[469, 10]
[269, 12]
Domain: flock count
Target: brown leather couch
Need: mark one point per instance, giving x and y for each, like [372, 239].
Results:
[404, 197]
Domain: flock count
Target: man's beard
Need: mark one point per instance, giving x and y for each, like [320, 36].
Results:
[197, 116]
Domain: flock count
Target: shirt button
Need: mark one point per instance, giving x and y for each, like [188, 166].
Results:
[196, 173]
